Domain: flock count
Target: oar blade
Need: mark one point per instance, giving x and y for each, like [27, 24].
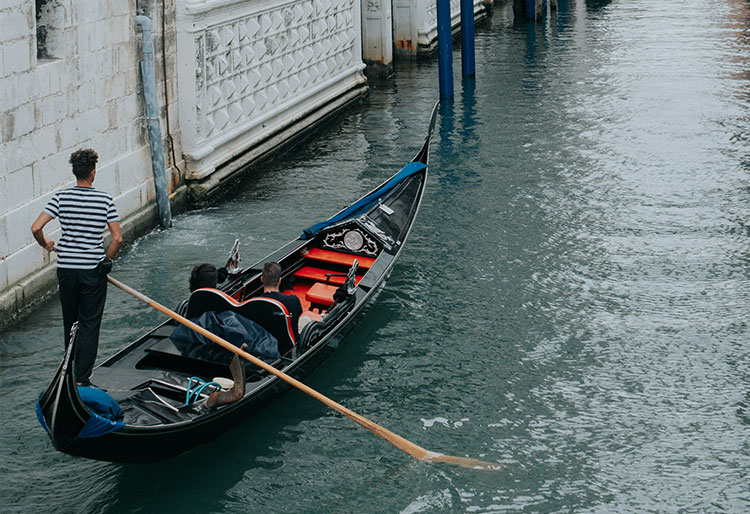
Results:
[464, 462]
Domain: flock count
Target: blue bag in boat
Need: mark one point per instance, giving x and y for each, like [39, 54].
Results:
[101, 403]
[230, 326]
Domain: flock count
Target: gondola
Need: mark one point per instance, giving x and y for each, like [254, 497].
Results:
[337, 268]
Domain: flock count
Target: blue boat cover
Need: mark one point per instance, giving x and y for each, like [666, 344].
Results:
[228, 325]
[98, 426]
[106, 414]
[101, 403]
[365, 204]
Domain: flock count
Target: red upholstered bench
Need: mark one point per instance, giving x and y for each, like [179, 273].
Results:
[331, 256]
[319, 275]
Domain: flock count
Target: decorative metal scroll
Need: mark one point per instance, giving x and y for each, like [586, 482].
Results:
[335, 240]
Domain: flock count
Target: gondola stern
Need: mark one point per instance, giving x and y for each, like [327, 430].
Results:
[60, 409]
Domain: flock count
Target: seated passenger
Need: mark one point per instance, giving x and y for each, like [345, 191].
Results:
[271, 278]
[203, 275]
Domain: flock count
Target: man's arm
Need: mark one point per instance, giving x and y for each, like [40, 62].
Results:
[37, 228]
[114, 246]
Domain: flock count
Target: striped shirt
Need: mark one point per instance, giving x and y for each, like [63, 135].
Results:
[84, 213]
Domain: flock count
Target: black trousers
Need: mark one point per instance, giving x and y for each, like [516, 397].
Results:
[82, 295]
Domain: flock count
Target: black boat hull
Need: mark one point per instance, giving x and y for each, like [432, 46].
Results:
[171, 430]
[134, 445]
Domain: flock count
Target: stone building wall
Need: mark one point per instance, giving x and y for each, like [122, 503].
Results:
[69, 79]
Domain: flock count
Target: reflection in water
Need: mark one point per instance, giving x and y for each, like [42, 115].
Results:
[470, 122]
[189, 483]
[456, 144]
[596, 5]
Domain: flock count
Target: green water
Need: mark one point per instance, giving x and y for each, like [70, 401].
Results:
[573, 302]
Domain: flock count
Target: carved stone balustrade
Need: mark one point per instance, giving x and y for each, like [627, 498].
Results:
[248, 70]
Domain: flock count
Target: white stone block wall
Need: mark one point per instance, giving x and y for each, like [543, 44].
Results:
[415, 23]
[249, 69]
[86, 93]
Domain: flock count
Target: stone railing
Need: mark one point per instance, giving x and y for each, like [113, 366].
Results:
[250, 69]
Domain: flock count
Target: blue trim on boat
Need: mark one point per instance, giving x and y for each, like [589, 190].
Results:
[365, 204]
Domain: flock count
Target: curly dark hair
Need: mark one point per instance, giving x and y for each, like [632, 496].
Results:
[203, 275]
[83, 161]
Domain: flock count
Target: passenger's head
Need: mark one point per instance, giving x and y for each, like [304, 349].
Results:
[83, 162]
[271, 274]
[203, 275]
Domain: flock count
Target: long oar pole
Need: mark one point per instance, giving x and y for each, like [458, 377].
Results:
[396, 440]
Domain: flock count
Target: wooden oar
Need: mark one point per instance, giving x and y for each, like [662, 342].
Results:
[396, 440]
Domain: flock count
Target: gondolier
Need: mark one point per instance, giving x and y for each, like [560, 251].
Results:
[82, 263]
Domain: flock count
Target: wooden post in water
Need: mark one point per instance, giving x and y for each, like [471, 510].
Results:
[445, 48]
[518, 7]
[468, 64]
[553, 5]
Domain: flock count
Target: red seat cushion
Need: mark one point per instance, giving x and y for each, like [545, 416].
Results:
[299, 292]
[319, 275]
[321, 294]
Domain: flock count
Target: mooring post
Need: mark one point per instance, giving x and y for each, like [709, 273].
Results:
[468, 63]
[445, 48]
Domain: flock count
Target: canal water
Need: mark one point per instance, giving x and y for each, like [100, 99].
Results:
[573, 302]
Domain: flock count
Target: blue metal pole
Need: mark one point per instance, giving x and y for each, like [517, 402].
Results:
[530, 9]
[468, 64]
[152, 123]
[445, 48]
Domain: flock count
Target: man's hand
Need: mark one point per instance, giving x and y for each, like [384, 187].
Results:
[38, 232]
